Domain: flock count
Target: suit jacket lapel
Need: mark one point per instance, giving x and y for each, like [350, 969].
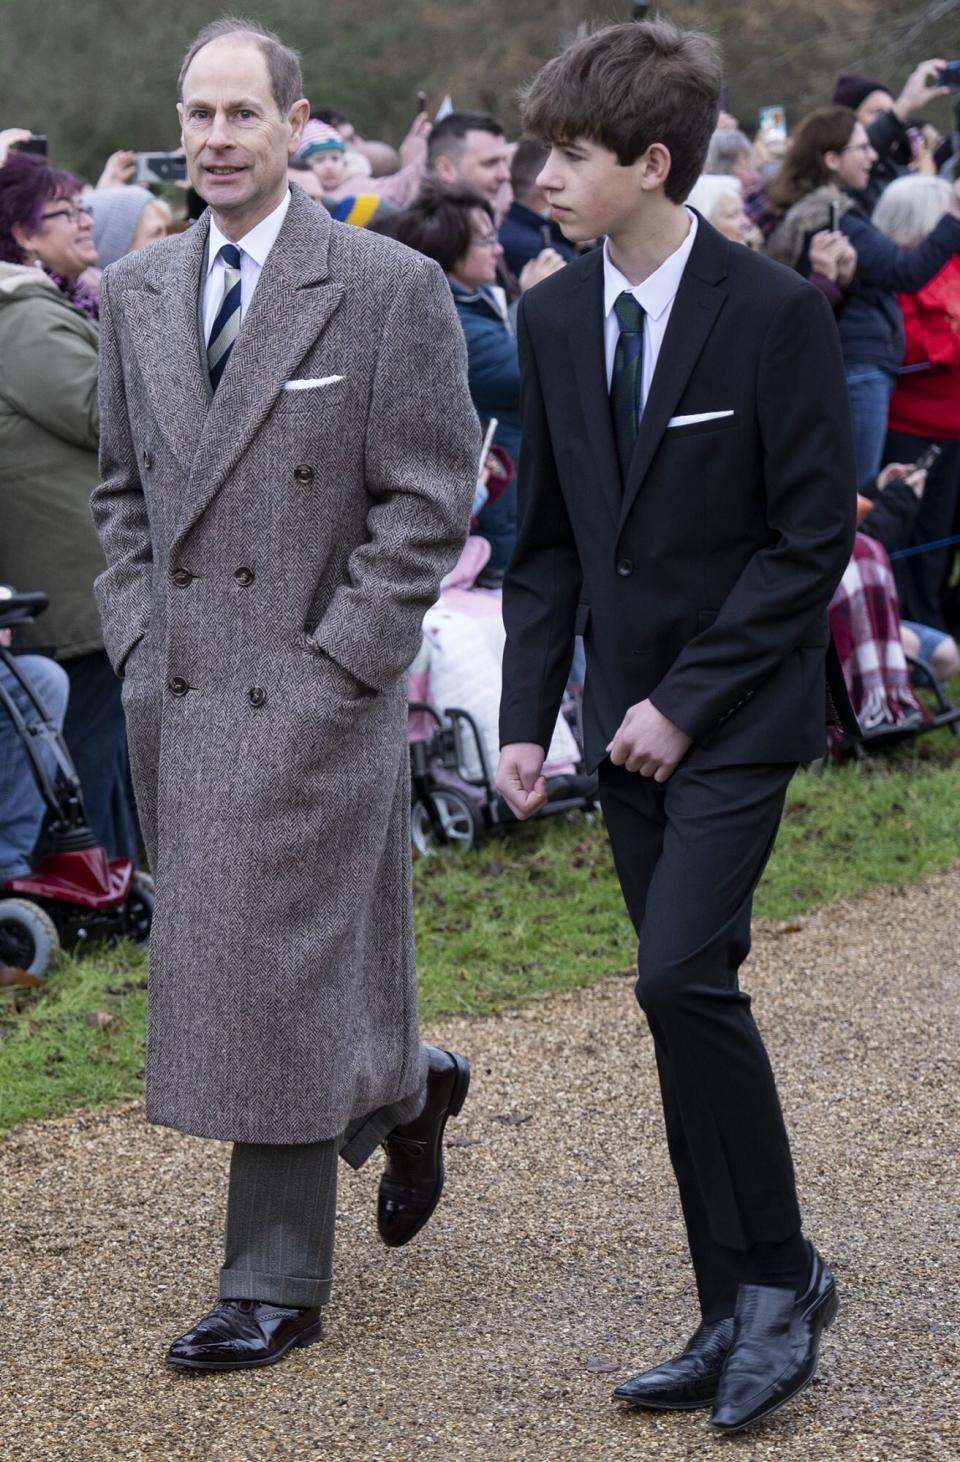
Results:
[698, 302]
[164, 317]
[585, 337]
[291, 304]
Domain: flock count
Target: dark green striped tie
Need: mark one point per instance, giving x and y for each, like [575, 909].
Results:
[625, 385]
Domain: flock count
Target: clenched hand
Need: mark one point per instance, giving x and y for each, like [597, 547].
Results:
[646, 742]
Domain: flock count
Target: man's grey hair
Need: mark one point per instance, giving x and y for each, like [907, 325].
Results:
[910, 207]
[727, 148]
[283, 63]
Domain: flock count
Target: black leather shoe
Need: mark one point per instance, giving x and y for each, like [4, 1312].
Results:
[413, 1177]
[689, 1379]
[241, 1333]
[775, 1346]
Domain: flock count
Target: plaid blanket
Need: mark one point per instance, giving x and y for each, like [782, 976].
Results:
[865, 620]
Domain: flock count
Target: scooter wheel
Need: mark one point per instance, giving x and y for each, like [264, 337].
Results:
[139, 908]
[28, 937]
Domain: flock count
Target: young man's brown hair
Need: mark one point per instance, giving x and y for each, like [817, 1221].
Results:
[628, 86]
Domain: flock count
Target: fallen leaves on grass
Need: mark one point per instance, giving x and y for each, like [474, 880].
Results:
[11, 976]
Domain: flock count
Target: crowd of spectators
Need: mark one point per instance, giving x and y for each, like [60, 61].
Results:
[863, 198]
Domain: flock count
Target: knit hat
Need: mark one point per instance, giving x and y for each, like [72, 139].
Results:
[850, 91]
[319, 137]
[116, 213]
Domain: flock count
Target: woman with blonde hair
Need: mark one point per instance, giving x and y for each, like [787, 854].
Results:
[719, 198]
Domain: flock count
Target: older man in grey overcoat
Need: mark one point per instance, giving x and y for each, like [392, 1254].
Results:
[288, 460]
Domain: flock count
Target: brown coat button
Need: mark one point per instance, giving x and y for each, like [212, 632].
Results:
[177, 685]
[256, 695]
[244, 576]
[303, 473]
[181, 577]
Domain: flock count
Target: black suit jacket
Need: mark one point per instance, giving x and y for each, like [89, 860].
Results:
[703, 580]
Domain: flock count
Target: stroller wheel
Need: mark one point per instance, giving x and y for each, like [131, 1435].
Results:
[28, 937]
[458, 818]
[139, 908]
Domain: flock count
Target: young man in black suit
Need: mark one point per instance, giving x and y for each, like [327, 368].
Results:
[687, 505]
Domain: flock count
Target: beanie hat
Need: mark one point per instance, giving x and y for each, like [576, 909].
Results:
[116, 213]
[319, 137]
[850, 91]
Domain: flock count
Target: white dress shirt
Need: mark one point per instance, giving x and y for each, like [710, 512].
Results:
[655, 295]
[254, 248]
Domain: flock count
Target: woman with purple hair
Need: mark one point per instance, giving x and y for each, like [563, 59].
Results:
[49, 435]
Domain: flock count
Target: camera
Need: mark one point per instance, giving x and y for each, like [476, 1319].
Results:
[37, 144]
[949, 75]
[160, 167]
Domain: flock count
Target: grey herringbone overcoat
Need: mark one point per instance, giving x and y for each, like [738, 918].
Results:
[270, 555]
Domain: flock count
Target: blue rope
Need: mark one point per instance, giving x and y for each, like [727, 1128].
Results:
[925, 547]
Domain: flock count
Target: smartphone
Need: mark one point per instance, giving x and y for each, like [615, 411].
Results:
[37, 144]
[160, 167]
[949, 75]
[773, 123]
[835, 216]
[926, 459]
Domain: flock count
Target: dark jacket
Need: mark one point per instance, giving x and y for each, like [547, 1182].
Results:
[702, 581]
[894, 513]
[493, 365]
[525, 234]
[871, 326]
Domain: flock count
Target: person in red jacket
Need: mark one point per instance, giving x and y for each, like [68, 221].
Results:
[925, 407]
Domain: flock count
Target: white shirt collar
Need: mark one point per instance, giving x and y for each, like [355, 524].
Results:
[658, 291]
[258, 242]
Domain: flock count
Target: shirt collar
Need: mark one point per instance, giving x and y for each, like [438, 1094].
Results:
[258, 242]
[657, 292]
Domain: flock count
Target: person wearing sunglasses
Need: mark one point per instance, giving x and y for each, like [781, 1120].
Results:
[49, 436]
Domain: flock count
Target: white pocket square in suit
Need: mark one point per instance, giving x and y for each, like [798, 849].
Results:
[311, 383]
[698, 416]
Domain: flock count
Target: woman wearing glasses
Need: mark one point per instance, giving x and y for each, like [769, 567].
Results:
[827, 163]
[455, 226]
[49, 433]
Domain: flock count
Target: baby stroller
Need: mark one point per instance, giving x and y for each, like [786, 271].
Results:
[454, 802]
[75, 893]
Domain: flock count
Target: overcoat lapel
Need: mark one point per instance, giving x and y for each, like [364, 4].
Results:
[585, 337]
[696, 307]
[168, 344]
[291, 305]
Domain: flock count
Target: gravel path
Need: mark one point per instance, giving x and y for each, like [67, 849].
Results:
[558, 1246]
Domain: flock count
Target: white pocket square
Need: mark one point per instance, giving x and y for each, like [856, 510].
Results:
[309, 383]
[698, 416]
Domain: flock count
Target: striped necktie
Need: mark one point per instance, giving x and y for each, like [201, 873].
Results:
[227, 324]
[627, 376]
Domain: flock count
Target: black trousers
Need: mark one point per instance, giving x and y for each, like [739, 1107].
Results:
[689, 854]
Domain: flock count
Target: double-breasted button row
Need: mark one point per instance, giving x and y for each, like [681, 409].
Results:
[244, 576]
[181, 577]
[303, 473]
[256, 695]
[177, 686]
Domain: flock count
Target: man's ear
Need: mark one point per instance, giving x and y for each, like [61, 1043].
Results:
[297, 117]
[445, 170]
[656, 164]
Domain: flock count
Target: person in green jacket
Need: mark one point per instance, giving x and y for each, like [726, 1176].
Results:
[49, 432]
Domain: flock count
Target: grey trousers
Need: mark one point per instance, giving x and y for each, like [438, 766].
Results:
[282, 1204]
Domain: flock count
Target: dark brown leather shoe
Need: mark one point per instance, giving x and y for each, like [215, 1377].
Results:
[413, 1177]
[241, 1333]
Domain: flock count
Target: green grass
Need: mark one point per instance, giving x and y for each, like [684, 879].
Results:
[529, 913]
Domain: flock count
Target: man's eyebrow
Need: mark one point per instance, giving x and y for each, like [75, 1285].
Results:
[197, 101]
